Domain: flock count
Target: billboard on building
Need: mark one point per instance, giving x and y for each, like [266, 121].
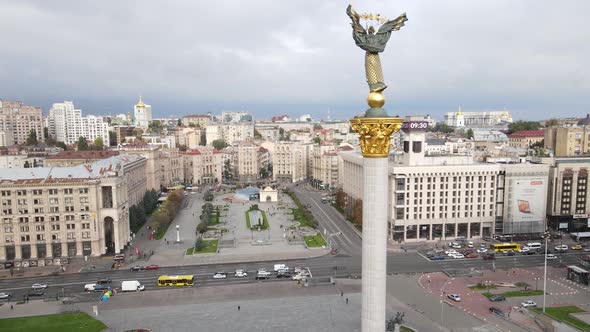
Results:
[528, 199]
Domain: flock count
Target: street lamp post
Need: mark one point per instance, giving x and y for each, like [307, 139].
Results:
[546, 235]
[442, 301]
[178, 233]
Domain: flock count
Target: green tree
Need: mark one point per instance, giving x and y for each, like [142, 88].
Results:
[50, 141]
[551, 123]
[112, 138]
[257, 134]
[523, 285]
[203, 140]
[443, 128]
[179, 123]
[219, 144]
[82, 144]
[98, 144]
[32, 138]
[317, 126]
[317, 140]
[61, 145]
[469, 133]
[182, 147]
[523, 125]
[199, 245]
[202, 227]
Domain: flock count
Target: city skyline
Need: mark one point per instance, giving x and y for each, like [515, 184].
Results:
[271, 59]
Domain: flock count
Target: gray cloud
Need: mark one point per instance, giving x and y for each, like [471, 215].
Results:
[270, 56]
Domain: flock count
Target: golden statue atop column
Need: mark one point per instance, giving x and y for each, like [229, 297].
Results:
[376, 127]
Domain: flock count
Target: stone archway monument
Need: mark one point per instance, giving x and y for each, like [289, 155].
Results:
[375, 129]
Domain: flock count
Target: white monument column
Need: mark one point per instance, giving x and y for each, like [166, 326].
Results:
[374, 244]
[375, 137]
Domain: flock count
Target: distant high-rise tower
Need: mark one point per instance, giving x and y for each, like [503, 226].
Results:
[142, 114]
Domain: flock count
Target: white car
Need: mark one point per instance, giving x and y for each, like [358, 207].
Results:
[456, 246]
[551, 256]
[481, 250]
[454, 297]
[450, 252]
[39, 286]
[90, 287]
[562, 247]
[470, 244]
[528, 303]
[219, 275]
[457, 255]
[524, 249]
[240, 274]
[298, 277]
[4, 295]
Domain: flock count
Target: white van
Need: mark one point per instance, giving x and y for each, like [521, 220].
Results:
[89, 287]
[534, 245]
[131, 286]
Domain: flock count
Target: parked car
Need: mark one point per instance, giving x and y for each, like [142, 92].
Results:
[438, 258]
[240, 274]
[528, 303]
[576, 247]
[450, 251]
[470, 244]
[497, 311]
[219, 275]
[119, 258]
[482, 250]
[4, 295]
[39, 286]
[137, 268]
[454, 297]
[497, 298]
[152, 267]
[551, 256]
[458, 255]
[587, 249]
[472, 255]
[35, 293]
[561, 247]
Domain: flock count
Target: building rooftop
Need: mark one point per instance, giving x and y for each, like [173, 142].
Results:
[86, 155]
[585, 121]
[528, 133]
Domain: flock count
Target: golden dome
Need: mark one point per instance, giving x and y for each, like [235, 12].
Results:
[140, 103]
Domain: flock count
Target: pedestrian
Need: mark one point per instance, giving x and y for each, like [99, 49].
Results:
[346, 300]
[11, 307]
[238, 308]
[341, 294]
[165, 239]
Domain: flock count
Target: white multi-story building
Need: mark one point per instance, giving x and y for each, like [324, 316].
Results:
[236, 117]
[142, 114]
[477, 119]
[17, 121]
[66, 124]
[171, 167]
[230, 133]
[445, 197]
[291, 161]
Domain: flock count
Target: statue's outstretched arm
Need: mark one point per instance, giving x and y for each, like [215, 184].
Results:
[356, 21]
[393, 25]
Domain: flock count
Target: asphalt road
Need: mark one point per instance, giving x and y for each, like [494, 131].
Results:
[347, 263]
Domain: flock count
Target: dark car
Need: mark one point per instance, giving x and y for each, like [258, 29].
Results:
[438, 258]
[489, 256]
[35, 293]
[497, 311]
[509, 253]
[101, 288]
[104, 282]
[497, 298]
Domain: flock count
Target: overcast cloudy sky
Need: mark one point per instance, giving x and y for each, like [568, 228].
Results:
[293, 57]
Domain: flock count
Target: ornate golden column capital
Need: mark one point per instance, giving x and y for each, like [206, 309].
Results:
[375, 134]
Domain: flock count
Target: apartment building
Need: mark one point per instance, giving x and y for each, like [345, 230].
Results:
[17, 121]
[66, 124]
[152, 168]
[524, 139]
[230, 133]
[188, 136]
[569, 141]
[326, 164]
[198, 120]
[568, 209]
[203, 166]
[52, 213]
[74, 158]
[171, 167]
[291, 161]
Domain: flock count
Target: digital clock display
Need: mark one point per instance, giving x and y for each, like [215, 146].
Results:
[415, 126]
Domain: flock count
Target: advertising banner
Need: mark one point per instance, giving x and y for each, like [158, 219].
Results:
[528, 199]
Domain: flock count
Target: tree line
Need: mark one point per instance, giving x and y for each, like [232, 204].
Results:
[138, 213]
